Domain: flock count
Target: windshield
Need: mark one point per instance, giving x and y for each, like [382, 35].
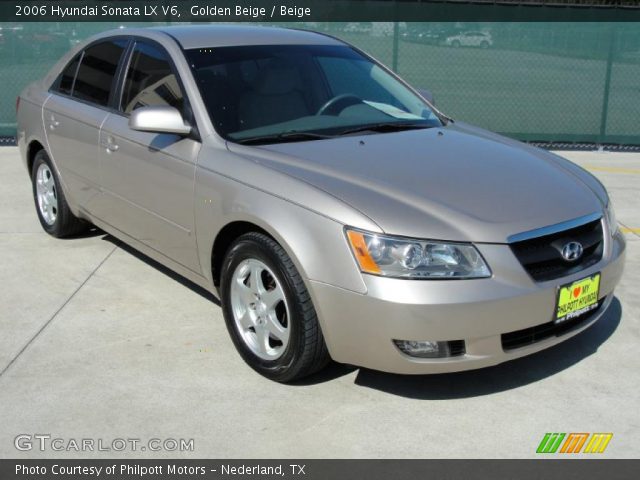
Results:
[275, 93]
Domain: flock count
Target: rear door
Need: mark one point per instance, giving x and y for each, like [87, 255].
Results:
[74, 113]
[148, 178]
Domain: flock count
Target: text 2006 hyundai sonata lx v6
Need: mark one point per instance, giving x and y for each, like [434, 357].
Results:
[336, 212]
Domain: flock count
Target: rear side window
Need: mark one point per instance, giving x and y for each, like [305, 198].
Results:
[68, 75]
[97, 71]
[150, 80]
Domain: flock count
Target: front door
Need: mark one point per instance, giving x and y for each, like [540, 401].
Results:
[148, 178]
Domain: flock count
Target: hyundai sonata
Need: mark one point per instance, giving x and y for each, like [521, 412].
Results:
[333, 208]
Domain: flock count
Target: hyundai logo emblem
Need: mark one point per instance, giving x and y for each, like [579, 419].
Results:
[572, 251]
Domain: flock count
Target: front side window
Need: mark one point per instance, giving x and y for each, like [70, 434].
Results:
[255, 92]
[97, 71]
[150, 80]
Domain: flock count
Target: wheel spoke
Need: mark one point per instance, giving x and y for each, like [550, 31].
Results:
[40, 188]
[276, 329]
[272, 297]
[245, 320]
[247, 297]
[262, 339]
[256, 279]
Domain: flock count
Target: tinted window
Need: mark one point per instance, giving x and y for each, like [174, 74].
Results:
[150, 80]
[345, 76]
[252, 92]
[97, 71]
[65, 80]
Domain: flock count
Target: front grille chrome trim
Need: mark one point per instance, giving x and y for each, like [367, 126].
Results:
[541, 257]
[556, 228]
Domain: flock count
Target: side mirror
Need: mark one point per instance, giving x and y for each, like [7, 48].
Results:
[159, 119]
[427, 95]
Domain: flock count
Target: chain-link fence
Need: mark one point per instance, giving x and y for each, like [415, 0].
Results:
[564, 82]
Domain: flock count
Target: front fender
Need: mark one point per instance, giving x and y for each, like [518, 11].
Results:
[316, 244]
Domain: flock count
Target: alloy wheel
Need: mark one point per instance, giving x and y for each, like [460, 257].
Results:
[46, 194]
[260, 309]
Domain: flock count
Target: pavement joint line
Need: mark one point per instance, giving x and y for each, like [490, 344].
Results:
[55, 314]
[633, 231]
[631, 171]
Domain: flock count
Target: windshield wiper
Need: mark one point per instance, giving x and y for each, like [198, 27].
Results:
[385, 127]
[283, 137]
[293, 136]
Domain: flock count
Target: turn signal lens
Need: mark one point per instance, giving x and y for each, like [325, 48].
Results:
[361, 251]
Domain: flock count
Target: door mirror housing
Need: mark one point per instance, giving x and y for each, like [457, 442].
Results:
[159, 119]
[427, 95]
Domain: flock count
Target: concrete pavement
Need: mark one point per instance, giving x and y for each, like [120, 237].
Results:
[99, 342]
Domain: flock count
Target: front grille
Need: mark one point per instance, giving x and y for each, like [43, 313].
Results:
[531, 335]
[542, 259]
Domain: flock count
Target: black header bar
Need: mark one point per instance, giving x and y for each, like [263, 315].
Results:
[305, 11]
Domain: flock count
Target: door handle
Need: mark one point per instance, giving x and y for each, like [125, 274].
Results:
[53, 123]
[110, 145]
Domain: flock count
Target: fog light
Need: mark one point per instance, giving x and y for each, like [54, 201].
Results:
[429, 349]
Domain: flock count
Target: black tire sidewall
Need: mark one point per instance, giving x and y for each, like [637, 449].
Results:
[247, 248]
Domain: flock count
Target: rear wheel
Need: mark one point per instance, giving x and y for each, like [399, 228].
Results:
[53, 211]
[268, 310]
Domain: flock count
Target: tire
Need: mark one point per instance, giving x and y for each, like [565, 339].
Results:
[455, 44]
[278, 335]
[484, 44]
[51, 205]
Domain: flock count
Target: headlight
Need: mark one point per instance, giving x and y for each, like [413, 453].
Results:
[611, 218]
[408, 258]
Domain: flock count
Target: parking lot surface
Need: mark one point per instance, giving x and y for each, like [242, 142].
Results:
[99, 342]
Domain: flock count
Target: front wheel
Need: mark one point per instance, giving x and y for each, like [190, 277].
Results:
[268, 310]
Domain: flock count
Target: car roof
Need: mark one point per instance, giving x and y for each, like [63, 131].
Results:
[204, 36]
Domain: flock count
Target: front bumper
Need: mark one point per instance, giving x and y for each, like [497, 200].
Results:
[360, 328]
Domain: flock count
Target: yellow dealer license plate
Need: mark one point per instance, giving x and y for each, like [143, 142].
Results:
[577, 298]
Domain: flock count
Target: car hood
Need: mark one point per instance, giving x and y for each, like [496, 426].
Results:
[453, 183]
